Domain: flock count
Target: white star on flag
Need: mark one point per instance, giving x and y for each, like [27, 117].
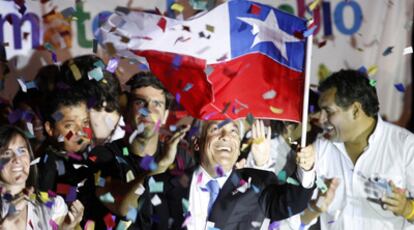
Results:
[268, 30]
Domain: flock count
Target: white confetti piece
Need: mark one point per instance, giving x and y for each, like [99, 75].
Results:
[156, 200]
[408, 50]
[35, 161]
[269, 95]
[22, 85]
[140, 190]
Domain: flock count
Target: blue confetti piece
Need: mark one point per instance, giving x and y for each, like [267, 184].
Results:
[219, 170]
[274, 225]
[146, 162]
[187, 87]
[400, 87]
[31, 85]
[223, 123]
[57, 116]
[143, 67]
[255, 188]
[54, 57]
[96, 74]
[310, 31]
[99, 64]
[112, 65]
[68, 12]
[132, 214]
[177, 61]
[144, 111]
[362, 69]
[121, 160]
[311, 108]
[71, 195]
[45, 159]
[178, 97]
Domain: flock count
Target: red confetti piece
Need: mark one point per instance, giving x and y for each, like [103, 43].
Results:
[162, 23]
[92, 158]
[109, 221]
[62, 188]
[69, 135]
[255, 9]
[88, 132]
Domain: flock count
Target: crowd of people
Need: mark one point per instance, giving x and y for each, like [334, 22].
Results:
[77, 152]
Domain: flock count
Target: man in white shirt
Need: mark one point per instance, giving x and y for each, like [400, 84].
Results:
[371, 160]
[240, 198]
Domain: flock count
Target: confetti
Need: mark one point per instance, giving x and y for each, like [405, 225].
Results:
[208, 70]
[187, 87]
[107, 198]
[309, 31]
[75, 71]
[185, 204]
[71, 195]
[274, 225]
[22, 85]
[408, 50]
[68, 12]
[125, 151]
[292, 181]
[210, 28]
[269, 95]
[53, 224]
[281, 176]
[321, 185]
[35, 161]
[372, 82]
[140, 190]
[90, 225]
[219, 170]
[177, 7]
[387, 51]
[112, 65]
[132, 214]
[130, 176]
[143, 111]
[96, 74]
[255, 9]
[250, 119]
[109, 221]
[156, 200]
[162, 23]
[362, 69]
[400, 87]
[60, 167]
[265, 224]
[372, 70]
[314, 4]
[154, 186]
[224, 123]
[69, 135]
[177, 61]
[276, 110]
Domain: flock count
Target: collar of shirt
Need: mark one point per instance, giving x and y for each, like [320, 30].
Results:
[203, 177]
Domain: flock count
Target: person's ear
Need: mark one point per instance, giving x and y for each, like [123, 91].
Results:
[164, 119]
[356, 110]
[49, 129]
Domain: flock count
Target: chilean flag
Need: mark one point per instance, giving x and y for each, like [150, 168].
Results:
[241, 57]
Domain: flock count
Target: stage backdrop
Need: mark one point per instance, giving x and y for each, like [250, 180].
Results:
[350, 34]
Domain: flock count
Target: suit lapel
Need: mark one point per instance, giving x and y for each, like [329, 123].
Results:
[225, 202]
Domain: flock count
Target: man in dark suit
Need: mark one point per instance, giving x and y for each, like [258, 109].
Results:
[214, 194]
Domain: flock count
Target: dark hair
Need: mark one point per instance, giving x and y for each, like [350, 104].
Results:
[60, 98]
[83, 64]
[95, 92]
[144, 79]
[352, 86]
[7, 133]
[46, 78]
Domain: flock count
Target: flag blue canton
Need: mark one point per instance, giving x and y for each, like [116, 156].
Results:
[249, 35]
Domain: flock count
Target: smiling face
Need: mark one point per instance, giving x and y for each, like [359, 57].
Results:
[16, 171]
[337, 122]
[219, 146]
[74, 119]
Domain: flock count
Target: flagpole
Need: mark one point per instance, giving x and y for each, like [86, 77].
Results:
[306, 91]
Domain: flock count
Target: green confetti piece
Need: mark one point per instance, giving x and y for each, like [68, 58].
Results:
[282, 176]
[373, 82]
[185, 204]
[250, 119]
[321, 185]
[125, 151]
[107, 198]
[290, 180]
[156, 187]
